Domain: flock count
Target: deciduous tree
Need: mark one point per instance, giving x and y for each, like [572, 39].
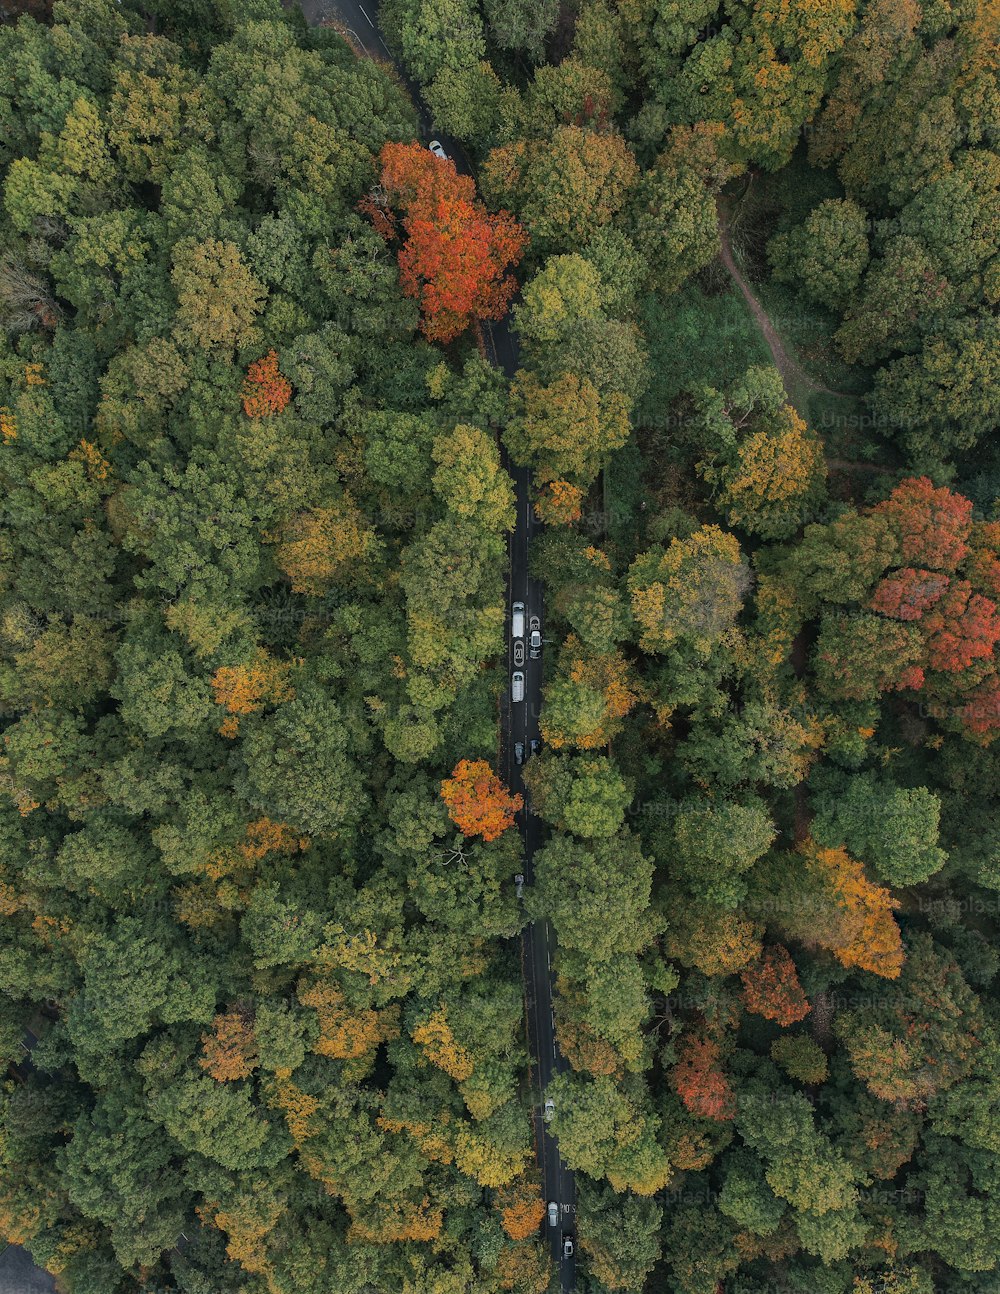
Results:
[478, 802]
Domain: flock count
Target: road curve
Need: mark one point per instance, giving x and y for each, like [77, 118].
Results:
[520, 721]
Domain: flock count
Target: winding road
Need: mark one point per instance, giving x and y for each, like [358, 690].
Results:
[520, 720]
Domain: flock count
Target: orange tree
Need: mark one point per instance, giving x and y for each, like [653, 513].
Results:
[266, 390]
[455, 255]
[478, 802]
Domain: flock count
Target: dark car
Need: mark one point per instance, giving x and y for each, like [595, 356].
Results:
[518, 752]
[535, 745]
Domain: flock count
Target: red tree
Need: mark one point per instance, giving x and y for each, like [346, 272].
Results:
[961, 627]
[933, 525]
[455, 256]
[771, 987]
[907, 594]
[265, 389]
[700, 1082]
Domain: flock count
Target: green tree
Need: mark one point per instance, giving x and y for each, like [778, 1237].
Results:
[297, 767]
[826, 255]
[583, 795]
[893, 828]
[563, 188]
[596, 895]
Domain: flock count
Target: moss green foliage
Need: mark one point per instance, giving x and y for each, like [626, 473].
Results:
[252, 599]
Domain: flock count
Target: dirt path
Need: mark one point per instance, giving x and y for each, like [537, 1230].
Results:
[792, 373]
[797, 381]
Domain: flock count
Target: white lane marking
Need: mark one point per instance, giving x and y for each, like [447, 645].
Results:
[367, 19]
[547, 962]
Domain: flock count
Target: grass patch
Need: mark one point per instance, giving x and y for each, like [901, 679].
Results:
[694, 338]
[624, 490]
[807, 331]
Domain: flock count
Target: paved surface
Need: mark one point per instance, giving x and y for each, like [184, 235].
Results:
[19, 1275]
[538, 941]
[520, 722]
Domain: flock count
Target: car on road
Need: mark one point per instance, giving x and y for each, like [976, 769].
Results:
[517, 686]
[535, 745]
[438, 150]
[553, 1213]
[550, 1109]
[519, 885]
[535, 637]
[519, 752]
[518, 651]
[517, 620]
[567, 1246]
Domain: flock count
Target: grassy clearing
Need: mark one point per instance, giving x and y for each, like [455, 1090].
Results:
[694, 337]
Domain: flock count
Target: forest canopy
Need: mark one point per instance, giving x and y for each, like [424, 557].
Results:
[262, 1009]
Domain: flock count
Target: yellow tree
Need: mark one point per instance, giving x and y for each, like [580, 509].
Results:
[565, 430]
[772, 473]
[691, 591]
[243, 689]
[218, 296]
[822, 898]
[322, 545]
[434, 1037]
[469, 479]
[230, 1050]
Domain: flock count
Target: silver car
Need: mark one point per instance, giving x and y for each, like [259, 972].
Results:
[553, 1213]
[437, 149]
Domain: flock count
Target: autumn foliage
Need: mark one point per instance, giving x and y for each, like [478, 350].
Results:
[478, 802]
[699, 1080]
[230, 1049]
[320, 545]
[848, 914]
[521, 1209]
[346, 1033]
[932, 525]
[435, 1037]
[265, 389]
[771, 987]
[242, 689]
[559, 503]
[455, 255]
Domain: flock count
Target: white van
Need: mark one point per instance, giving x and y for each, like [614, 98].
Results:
[517, 620]
[517, 686]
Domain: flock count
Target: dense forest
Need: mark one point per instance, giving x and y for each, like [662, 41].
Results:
[256, 860]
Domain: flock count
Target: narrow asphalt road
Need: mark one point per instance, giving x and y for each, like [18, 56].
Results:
[520, 720]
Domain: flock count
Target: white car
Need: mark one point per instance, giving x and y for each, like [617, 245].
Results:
[437, 149]
[535, 637]
[553, 1213]
[550, 1109]
[567, 1246]
[517, 686]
